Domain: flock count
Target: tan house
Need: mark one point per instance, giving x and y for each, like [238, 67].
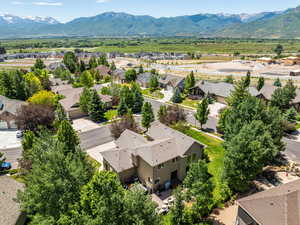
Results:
[70, 102]
[8, 111]
[159, 160]
[277, 206]
[267, 60]
[290, 61]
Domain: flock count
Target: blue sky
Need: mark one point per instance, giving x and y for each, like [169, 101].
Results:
[65, 10]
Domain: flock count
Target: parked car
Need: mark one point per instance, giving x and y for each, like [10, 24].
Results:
[5, 166]
[20, 134]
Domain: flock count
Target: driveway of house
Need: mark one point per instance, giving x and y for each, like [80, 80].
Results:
[95, 152]
[8, 139]
[168, 94]
[215, 108]
[84, 124]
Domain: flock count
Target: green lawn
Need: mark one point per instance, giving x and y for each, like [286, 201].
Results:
[190, 103]
[298, 126]
[215, 152]
[156, 94]
[111, 114]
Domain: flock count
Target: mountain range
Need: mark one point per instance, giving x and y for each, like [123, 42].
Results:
[283, 24]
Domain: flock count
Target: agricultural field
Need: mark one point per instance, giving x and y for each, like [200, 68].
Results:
[130, 45]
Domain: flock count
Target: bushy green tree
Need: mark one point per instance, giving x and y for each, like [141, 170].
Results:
[278, 50]
[239, 93]
[177, 211]
[141, 69]
[277, 83]
[39, 64]
[138, 101]
[283, 97]
[67, 135]
[130, 75]
[85, 100]
[127, 95]
[113, 66]
[247, 80]
[96, 107]
[229, 79]
[20, 85]
[93, 62]
[177, 96]
[153, 83]
[162, 114]
[189, 82]
[246, 154]
[147, 115]
[202, 112]
[54, 182]
[86, 79]
[70, 60]
[291, 115]
[82, 66]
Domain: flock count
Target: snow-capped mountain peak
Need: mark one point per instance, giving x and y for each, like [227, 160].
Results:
[11, 19]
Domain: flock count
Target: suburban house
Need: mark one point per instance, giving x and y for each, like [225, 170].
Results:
[267, 60]
[170, 82]
[10, 212]
[277, 206]
[56, 65]
[295, 73]
[118, 76]
[103, 70]
[220, 90]
[8, 111]
[70, 102]
[290, 61]
[144, 79]
[160, 159]
[267, 91]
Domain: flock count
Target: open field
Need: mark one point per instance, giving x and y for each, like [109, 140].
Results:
[184, 45]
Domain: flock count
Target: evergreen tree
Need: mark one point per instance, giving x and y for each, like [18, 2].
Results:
[189, 82]
[283, 97]
[278, 50]
[277, 83]
[93, 62]
[82, 66]
[122, 108]
[202, 112]
[7, 86]
[20, 86]
[162, 114]
[67, 135]
[127, 95]
[70, 60]
[247, 80]
[85, 100]
[113, 66]
[96, 107]
[130, 75]
[39, 64]
[177, 211]
[261, 83]
[291, 115]
[177, 96]
[103, 61]
[138, 101]
[141, 69]
[147, 115]
[153, 83]
[86, 79]
[239, 93]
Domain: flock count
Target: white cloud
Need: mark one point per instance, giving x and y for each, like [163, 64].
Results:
[18, 3]
[102, 1]
[48, 3]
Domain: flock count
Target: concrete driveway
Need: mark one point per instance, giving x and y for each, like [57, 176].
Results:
[84, 124]
[95, 152]
[168, 94]
[215, 108]
[8, 139]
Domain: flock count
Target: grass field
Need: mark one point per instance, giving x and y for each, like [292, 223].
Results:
[156, 94]
[184, 45]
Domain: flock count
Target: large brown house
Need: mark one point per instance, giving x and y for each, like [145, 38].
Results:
[158, 160]
[277, 206]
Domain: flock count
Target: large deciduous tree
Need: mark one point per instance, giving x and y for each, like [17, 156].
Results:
[202, 112]
[147, 115]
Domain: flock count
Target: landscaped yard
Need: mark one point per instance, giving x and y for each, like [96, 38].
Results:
[155, 94]
[111, 114]
[190, 103]
[215, 152]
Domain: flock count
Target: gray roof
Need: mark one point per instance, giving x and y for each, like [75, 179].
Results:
[167, 144]
[10, 105]
[268, 90]
[172, 80]
[222, 89]
[277, 206]
[144, 77]
[9, 208]
[119, 73]
[55, 65]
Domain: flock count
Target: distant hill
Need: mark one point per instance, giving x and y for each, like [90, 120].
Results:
[283, 24]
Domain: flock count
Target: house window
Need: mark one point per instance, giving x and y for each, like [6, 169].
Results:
[161, 166]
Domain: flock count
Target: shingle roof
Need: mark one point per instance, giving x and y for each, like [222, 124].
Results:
[10, 105]
[268, 90]
[221, 88]
[277, 206]
[103, 70]
[9, 208]
[144, 77]
[172, 80]
[168, 144]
